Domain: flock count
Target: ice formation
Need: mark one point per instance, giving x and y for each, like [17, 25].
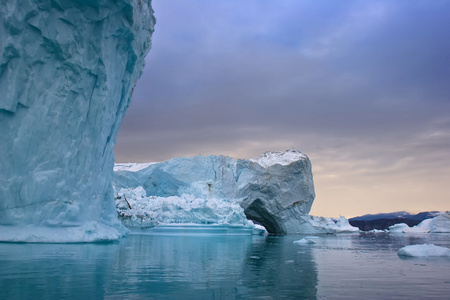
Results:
[67, 71]
[317, 225]
[423, 250]
[304, 241]
[136, 210]
[398, 228]
[275, 190]
[378, 231]
[438, 224]
[218, 190]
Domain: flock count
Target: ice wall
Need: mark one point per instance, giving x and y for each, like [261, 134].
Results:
[67, 70]
[276, 190]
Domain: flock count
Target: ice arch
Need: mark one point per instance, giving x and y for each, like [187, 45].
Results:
[258, 212]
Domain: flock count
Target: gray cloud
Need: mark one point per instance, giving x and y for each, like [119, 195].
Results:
[360, 86]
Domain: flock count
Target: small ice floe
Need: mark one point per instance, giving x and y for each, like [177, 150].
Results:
[304, 241]
[398, 228]
[289, 262]
[255, 257]
[424, 250]
[378, 231]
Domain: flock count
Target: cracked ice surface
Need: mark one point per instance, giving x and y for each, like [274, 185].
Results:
[67, 71]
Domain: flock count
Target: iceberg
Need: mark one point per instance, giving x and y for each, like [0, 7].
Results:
[67, 71]
[275, 190]
[438, 224]
[423, 250]
[398, 228]
[320, 225]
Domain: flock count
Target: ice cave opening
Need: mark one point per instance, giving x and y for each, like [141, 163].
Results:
[259, 213]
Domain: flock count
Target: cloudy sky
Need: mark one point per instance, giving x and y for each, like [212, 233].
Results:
[361, 87]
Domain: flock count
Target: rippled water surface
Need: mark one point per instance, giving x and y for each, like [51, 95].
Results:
[360, 266]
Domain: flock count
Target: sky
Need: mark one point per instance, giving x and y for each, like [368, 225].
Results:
[361, 87]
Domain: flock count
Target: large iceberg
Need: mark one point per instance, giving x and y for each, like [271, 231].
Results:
[67, 70]
[275, 190]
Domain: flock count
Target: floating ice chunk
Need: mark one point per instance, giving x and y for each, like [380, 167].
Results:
[423, 250]
[422, 227]
[398, 228]
[344, 226]
[304, 241]
[317, 225]
[378, 230]
[289, 261]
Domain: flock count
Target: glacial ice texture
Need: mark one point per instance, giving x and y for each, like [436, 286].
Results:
[275, 190]
[67, 70]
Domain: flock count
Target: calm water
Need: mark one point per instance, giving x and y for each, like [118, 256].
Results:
[225, 267]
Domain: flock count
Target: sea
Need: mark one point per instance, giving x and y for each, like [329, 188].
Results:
[226, 266]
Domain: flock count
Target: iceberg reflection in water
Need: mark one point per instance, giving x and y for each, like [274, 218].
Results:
[207, 266]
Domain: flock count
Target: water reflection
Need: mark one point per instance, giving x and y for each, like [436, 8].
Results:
[276, 268]
[367, 264]
[51, 271]
[226, 267]
[161, 267]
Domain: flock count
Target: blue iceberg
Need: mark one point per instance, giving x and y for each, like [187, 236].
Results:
[67, 71]
[275, 190]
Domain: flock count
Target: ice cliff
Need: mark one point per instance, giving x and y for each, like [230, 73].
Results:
[275, 190]
[67, 70]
